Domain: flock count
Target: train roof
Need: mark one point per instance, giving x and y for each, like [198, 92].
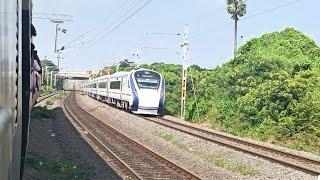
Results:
[73, 74]
[119, 74]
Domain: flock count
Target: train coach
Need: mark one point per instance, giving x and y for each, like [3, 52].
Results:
[17, 96]
[140, 91]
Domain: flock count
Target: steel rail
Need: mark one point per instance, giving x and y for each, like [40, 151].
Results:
[211, 136]
[225, 139]
[44, 97]
[163, 160]
[98, 142]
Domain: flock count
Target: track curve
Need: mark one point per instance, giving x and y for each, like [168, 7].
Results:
[138, 160]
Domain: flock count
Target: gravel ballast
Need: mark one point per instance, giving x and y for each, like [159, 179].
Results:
[207, 159]
[55, 140]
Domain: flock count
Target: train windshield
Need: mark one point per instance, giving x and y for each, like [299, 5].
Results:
[147, 79]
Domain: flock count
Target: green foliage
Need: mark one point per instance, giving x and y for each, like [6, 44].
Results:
[271, 91]
[51, 66]
[54, 169]
[217, 161]
[46, 89]
[42, 112]
[172, 75]
[238, 7]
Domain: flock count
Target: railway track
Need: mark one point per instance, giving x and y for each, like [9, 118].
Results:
[299, 162]
[138, 161]
[44, 97]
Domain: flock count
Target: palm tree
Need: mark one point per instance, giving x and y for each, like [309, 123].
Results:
[237, 8]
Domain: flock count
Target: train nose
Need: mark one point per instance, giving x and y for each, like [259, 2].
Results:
[150, 99]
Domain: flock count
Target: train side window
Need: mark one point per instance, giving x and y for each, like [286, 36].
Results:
[115, 85]
[103, 85]
[95, 85]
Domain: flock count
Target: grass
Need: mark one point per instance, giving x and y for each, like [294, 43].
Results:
[303, 142]
[46, 89]
[230, 166]
[54, 169]
[163, 135]
[217, 161]
[42, 112]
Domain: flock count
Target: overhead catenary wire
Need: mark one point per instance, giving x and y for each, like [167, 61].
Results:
[98, 38]
[254, 15]
[122, 22]
[115, 27]
[270, 10]
[95, 28]
[135, 5]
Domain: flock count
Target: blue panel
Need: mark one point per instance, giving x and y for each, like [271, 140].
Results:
[135, 100]
[161, 101]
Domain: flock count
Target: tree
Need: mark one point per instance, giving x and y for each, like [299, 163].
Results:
[49, 64]
[237, 8]
[125, 63]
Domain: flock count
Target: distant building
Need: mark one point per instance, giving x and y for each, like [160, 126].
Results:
[71, 80]
[106, 70]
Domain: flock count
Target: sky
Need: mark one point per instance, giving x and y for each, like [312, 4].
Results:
[209, 24]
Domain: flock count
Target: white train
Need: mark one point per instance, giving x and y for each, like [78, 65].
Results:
[140, 91]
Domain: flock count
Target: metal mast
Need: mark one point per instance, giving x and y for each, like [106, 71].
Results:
[185, 48]
[57, 19]
[58, 23]
[137, 54]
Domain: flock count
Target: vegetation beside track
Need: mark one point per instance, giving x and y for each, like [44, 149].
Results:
[46, 89]
[55, 169]
[211, 158]
[42, 113]
[270, 92]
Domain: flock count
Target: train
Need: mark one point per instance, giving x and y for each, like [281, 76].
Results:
[71, 81]
[16, 94]
[73, 84]
[140, 91]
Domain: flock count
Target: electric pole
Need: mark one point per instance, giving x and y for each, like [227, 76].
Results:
[51, 79]
[137, 54]
[117, 60]
[57, 19]
[58, 23]
[185, 49]
[59, 57]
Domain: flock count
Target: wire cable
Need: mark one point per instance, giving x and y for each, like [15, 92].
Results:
[270, 10]
[117, 26]
[123, 21]
[95, 28]
[134, 5]
[115, 21]
[254, 15]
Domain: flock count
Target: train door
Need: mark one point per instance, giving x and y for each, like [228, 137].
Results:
[125, 89]
[26, 81]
